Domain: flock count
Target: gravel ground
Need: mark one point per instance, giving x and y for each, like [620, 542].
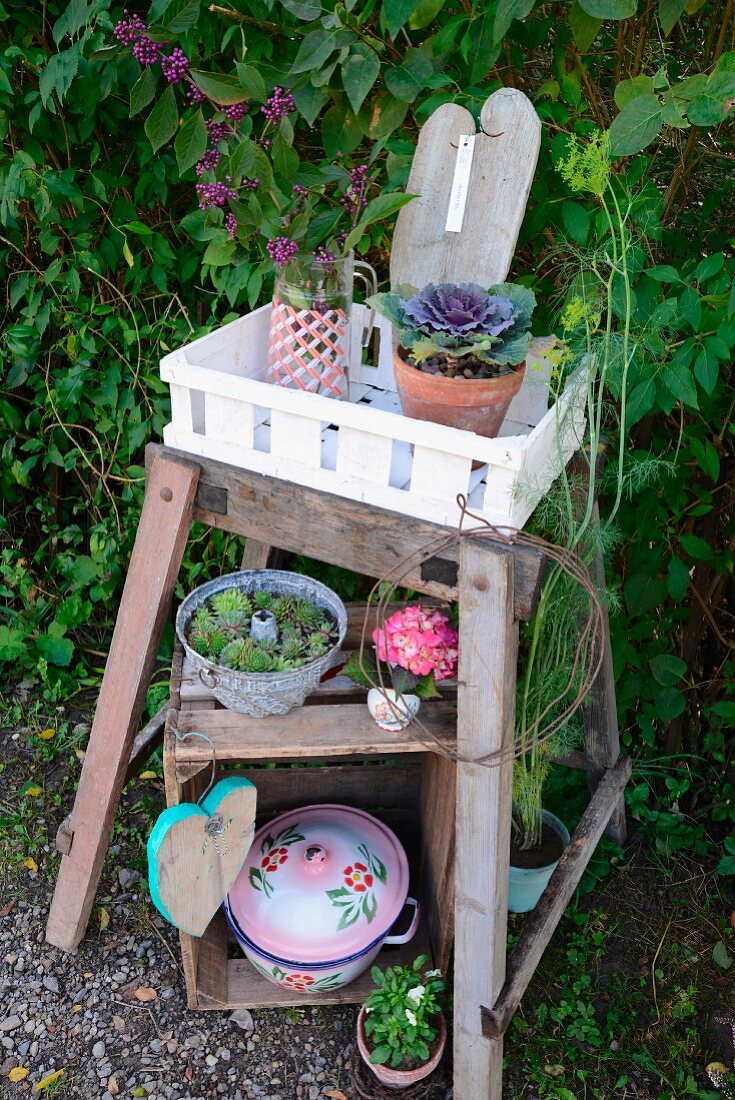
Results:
[113, 1015]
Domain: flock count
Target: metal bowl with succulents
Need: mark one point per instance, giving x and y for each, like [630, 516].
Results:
[262, 639]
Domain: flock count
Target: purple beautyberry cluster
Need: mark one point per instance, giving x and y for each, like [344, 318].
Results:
[281, 249]
[146, 51]
[215, 194]
[279, 104]
[194, 94]
[236, 113]
[175, 66]
[129, 29]
[231, 224]
[250, 185]
[216, 130]
[324, 255]
[209, 161]
[354, 196]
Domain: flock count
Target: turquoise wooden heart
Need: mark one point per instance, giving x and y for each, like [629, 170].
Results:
[195, 853]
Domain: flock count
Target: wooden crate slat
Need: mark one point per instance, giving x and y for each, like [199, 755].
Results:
[364, 455]
[316, 731]
[297, 438]
[181, 412]
[435, 473]
[229, 418]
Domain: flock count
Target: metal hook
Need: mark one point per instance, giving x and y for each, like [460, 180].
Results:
[195, 733]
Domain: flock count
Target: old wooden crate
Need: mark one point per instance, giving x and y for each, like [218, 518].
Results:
[364, 449]
[352, 762]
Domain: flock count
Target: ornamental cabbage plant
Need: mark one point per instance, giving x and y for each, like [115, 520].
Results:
[454, 320]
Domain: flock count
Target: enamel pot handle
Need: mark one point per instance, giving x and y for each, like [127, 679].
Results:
[413, 926]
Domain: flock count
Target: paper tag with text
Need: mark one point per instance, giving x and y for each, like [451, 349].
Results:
[460, 183]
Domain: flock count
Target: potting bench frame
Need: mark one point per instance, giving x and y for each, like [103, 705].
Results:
[497, 585]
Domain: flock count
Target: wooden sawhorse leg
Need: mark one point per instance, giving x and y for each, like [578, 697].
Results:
[488, 653]
[154, 566]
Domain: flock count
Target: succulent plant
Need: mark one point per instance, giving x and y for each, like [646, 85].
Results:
[220, 631]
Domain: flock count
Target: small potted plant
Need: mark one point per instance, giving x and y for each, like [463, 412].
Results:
[401, 1032]
[461, 350]
[414, 648]
[262, 639]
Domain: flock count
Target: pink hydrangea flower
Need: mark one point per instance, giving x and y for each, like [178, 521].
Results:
[419, 641]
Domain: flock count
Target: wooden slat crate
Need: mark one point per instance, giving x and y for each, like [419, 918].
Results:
[350, 761]
[365, 449]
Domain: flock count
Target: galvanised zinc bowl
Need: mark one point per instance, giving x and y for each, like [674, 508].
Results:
[262, 693]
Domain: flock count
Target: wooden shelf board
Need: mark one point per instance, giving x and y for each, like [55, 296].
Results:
[316, 731]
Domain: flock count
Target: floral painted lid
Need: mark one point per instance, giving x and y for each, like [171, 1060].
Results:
[320, 883]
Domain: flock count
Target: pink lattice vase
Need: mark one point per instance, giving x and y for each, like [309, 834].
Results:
[309, 344]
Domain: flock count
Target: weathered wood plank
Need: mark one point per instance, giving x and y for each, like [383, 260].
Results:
[503, 165]
[309, 731]
[436, 813]
[488, 649]
[146, 740]
[154, 565]
[395, 786]
[542, 922]
[343, 532]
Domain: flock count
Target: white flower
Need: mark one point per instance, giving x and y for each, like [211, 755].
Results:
[416, 993]
[410, 1017]
[433, 973]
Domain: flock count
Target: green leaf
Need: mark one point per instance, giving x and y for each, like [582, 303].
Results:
[395, 13]
[706, 457]
[384, 114]
[380, 1055]
[709, 266]
[585, 27]
[161, 124]
[251, 81]
[56, 650]
[377, 209]
[359, 72]
[636, 126]
[706, 369]
[314, 51]
[506, 12]
[56, 76]
[425, 13]
[411, 77]
[242, 160]
[667, 669]
[679, 381]
[696, 548]
[677, 579]
[12, 644]
[640, 401]
[285, 159]
[664, 273]
[628, 90]
[142, 91]
[669, 13]
[716, 101]
[349, 917]
[669, 704]
[191, 142]
[610, 9]
[731, 300]
[221, 89]
[691, 308]
[180, 16]
[309, 101]
[219, 252]
[72, 21]
[576, 221]
[721, 956]
[726, 866]
[341, 132]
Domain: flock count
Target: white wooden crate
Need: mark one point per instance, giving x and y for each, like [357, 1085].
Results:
[365, 449]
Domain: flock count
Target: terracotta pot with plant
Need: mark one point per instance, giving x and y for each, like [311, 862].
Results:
[401, 1032]
[461, 350]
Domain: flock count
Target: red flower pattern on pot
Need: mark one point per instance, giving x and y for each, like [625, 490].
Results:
[299, 981]
[274, 853]
[356, 898]
[358, 877]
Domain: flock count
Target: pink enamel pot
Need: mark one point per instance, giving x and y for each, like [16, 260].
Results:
[318, 895]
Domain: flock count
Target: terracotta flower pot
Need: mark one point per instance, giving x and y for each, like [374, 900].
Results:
[476, 405]
[401, 1078]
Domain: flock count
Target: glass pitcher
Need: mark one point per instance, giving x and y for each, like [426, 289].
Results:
[309, 342]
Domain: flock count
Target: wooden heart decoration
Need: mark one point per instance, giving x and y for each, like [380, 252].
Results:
[195, 853]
